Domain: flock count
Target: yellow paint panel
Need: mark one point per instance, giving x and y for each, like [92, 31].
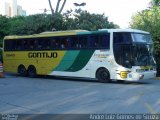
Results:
[146, 67]
[44, 63]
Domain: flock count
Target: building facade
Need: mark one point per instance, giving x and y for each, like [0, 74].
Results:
[10, 8]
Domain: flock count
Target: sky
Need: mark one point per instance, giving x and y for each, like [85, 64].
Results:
[118, 11]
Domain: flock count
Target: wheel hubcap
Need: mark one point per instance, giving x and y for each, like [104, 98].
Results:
[104, 75]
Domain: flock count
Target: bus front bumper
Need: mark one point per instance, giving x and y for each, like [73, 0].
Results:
[144, 75]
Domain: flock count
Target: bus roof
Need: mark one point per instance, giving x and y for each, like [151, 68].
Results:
[125, 30]
[55, 33]
[72, 32]
[46, 34]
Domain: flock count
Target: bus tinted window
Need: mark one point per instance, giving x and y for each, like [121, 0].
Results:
[43, 44]
[97, 41]
[65, 43]
[11, 45]
[32, 44]
[83, 42]
[40, 44]
[46, 43]
[100, 41]
[55, 43]
[104, 41]
[74, 42]
[26, 44]
[19, 44]
[122, 37]
[94, 41]
[8, 45]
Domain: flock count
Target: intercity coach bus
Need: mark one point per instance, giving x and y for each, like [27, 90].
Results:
[105, 54]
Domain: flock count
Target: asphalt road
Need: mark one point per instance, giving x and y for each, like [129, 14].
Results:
[20, 95]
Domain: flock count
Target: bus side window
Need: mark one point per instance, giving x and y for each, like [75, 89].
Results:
[55, 43]
[41, 44]
[105, 41]
[13, 46]
[58, 43]
[26, 44]
[47, 44]
[74, 43]
[65, 43]
[19, 44]
[94, 41]
[8, 45]
[121, 37]
[48, 47]
[33, 44]
[83, 41]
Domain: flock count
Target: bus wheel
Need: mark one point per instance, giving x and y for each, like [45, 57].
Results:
[103, 75]
[32, 71]
[22, 71]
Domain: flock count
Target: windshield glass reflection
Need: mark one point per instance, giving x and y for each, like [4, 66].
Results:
[142, 38]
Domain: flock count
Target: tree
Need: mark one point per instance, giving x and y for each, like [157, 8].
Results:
[84, 20]
[33, 24]
[17, 25]
[59, 8]
[155, 3]
[4, 28]
[149, 20]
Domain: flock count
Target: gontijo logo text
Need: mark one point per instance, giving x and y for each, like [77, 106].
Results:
[42, 54]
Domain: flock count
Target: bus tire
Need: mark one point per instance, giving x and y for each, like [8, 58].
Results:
[22, 71]
[103, 75]
[32, 71]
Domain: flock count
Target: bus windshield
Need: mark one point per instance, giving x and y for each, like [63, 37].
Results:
[142, 38]
[138, 53]
[143, 55]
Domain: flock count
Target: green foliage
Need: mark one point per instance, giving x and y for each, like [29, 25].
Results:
[149, 20]
[17, 25]
[155, 3]
[92, 21]
[84, 20]
[26, 25]
[4, 27]
[42, 22]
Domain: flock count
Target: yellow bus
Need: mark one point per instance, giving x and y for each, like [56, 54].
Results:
[106, 54]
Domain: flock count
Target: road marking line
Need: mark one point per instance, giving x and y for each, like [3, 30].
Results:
[150, 108]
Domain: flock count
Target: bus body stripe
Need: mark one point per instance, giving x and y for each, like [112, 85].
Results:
[81, 60]
[67, 60]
